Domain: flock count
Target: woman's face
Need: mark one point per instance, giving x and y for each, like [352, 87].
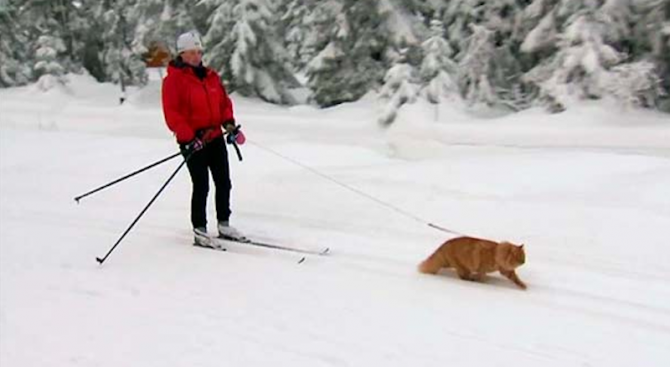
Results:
[192, 57]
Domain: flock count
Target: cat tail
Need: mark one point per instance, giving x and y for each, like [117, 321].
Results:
[432, 264]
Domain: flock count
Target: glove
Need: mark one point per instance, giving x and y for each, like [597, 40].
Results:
[229, 126]
[191, 147]
[236, 136]
[239, 137]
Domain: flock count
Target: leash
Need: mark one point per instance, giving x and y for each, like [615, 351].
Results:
[357, 191]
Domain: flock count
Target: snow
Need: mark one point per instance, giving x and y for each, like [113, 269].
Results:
[585, 191]
[399, 22]
[329, 52]
[544, 35]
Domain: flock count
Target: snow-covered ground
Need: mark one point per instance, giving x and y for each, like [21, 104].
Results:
[586, 191]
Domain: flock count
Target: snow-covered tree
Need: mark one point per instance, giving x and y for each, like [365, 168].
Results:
[314, 28]
[506, 52]
[121, 64]
[14, 68]
[244, 47]
[485, 38]
[578, 68]
[12, 73]
[634, 84]
[400, 87]
[158, 21]
[475, 68]
[66, 20]
[496, 16]
[663, 59]
[574, 46]
[329, 76]
[404, 20]
[352, 62]
[426, 9]
[48, 68]
[438, 70]
[651, 36]
[368, 40]
[530, 16]
[298, 24]
[540, 36]
[457, 18]
[618, 19]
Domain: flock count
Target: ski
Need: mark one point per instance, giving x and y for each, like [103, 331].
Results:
[219, 244]
[247, 241]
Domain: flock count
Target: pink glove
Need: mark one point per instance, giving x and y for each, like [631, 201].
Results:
[236, 136]
[240, 138]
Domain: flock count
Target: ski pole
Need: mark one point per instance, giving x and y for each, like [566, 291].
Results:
[102, 260]
[125, 177]
[237, 150]
[232, 140]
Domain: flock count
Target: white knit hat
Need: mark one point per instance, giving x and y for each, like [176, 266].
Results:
[188, 41]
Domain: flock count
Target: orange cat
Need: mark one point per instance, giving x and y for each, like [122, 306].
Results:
[473, 258]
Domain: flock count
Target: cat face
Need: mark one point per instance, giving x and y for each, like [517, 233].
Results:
[516, 256]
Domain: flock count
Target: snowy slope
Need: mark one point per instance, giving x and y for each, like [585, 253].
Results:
[586, 191]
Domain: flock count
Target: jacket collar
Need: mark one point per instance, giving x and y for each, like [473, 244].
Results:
[179, 64]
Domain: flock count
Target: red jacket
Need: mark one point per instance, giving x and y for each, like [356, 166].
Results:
[191, 104]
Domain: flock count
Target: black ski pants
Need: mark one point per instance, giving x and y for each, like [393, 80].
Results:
[212, 158]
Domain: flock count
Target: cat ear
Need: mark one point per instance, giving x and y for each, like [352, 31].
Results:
[521, 247]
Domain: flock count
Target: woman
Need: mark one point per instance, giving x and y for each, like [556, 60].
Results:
[196, 107]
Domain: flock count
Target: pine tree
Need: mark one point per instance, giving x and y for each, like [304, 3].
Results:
[121, 64]
[298, 24]
[426, 9]
[23, 25]
[15, 70]
[475, 68]
[367, 40]
[158, 21]
[651, 35]
[537, 27]
[634, 84]
[662, 56]
[438, 69]
[352, 62]
[329, 73]
[400, 87]
[63, 19]
[497, 16]
[564, 49]
[457, 18]
[404, 21]
[485, 38]
[618, 20]
[247, 53]
[530, 16]
[48, 68]
[577, 69]
[577, 44]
